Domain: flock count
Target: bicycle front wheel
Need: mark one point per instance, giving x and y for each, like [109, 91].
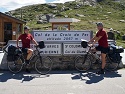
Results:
[111, 65]
[43, 65]
[83, 63]
[15, 65]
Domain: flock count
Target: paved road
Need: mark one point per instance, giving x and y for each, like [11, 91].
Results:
[63, 82]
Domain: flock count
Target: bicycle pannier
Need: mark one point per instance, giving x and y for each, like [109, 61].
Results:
[11, 53]
[41, 44]
[115, 57]
[116, 49]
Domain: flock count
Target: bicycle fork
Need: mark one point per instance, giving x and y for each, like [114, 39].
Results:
[85, 58]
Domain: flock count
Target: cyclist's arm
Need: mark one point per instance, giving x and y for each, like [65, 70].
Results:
[34, 41]
[92, 39]
[96, 40]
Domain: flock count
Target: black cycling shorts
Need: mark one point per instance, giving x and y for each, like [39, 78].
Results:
[104, 50]
[25, 50]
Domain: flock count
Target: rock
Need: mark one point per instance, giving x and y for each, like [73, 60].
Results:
[52, 5]
[76, 7]
[109, 12]
[41, 21]
[49, 16]
[122, 21]
[66, 8]
[87, 3]
[105, 15]
[79, 15]
[66, 16]
[42, 17]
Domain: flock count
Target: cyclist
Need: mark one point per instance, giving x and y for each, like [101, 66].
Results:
[101, 37]
[26, 38]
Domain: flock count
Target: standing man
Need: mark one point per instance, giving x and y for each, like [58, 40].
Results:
[101, 37]
[26, 38]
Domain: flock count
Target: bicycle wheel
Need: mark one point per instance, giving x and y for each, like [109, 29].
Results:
[43, 65]
[15, 65]
[83, 63]
[110, 65]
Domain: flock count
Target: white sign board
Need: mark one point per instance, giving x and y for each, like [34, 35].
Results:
[73, 49]
[50, 49]
[62, 36]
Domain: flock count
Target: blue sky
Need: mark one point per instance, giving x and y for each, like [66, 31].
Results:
[7, 5]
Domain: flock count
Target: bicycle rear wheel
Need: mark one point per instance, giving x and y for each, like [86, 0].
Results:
[15, 65]
[83, 63]
[43, 65]
[110, 65]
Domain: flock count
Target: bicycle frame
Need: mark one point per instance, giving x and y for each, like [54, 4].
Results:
[91, 53]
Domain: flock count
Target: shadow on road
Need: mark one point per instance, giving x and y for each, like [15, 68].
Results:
[6, 75]
[91, 77]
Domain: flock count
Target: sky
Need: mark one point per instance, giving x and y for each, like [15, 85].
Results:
[7, 5]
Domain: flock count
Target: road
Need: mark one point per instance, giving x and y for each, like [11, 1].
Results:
[63, 82]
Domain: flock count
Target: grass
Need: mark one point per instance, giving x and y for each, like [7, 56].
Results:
[120, 43]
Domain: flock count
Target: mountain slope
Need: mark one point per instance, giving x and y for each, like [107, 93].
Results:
[111, 13]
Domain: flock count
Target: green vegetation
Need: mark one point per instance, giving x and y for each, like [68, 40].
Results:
[107, 11]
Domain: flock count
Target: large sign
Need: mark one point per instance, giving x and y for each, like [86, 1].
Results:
[62, 36]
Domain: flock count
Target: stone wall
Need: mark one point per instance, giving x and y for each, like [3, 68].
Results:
[59, 63]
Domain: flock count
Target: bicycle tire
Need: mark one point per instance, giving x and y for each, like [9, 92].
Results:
[16, 65]
[43, 65]
[81, 64]
[110, 65]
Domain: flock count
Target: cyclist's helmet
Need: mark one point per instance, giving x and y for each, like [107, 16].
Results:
[26, 27]
[84, 43]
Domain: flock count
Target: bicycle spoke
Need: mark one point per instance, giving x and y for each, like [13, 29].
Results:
[15, 66]
[110, 66]
[43, 65]
[82, 63]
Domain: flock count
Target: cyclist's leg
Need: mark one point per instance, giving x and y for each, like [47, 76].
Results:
[103, 59]
[29, 52]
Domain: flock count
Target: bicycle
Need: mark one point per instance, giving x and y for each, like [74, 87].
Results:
[84, 62]
[42, 64]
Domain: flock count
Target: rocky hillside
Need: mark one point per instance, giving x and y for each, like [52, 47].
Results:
[110, 12]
